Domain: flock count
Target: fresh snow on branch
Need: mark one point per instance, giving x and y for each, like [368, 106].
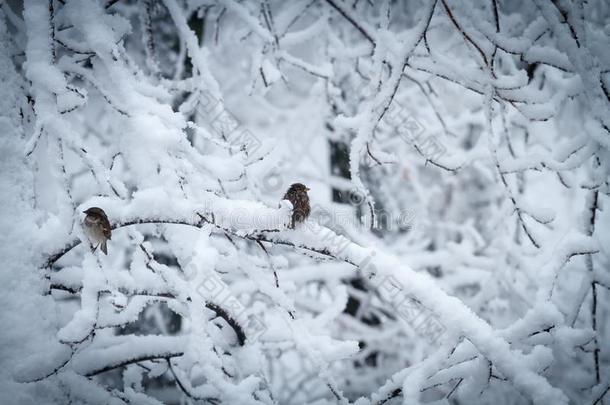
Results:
[444, 239]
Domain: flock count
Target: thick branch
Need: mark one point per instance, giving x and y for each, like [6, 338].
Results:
[376, 265]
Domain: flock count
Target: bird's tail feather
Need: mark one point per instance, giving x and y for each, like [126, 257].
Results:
[104, 247]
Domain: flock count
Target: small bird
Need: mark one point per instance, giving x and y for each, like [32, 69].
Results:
[97, 228]
[297, 195]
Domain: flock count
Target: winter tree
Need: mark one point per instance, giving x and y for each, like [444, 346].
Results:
[457, 156]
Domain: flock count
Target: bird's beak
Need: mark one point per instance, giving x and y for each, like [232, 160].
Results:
[307, 189]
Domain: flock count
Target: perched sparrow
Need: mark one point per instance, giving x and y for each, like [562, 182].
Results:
[297, 195]
[97, 228]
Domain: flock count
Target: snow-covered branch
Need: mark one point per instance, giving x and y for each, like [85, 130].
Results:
[452, 245]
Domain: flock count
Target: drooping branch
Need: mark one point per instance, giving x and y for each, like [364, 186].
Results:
[217, 309]
[374, 264]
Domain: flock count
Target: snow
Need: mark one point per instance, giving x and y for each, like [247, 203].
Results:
[272, 74]
[121, 349]
[456, 249]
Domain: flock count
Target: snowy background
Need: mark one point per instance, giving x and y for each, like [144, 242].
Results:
[457, 152]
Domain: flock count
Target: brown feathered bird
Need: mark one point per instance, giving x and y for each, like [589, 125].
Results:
[297, 195]
[97, 228]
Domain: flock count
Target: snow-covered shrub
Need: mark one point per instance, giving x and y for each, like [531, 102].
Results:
[457, 155]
